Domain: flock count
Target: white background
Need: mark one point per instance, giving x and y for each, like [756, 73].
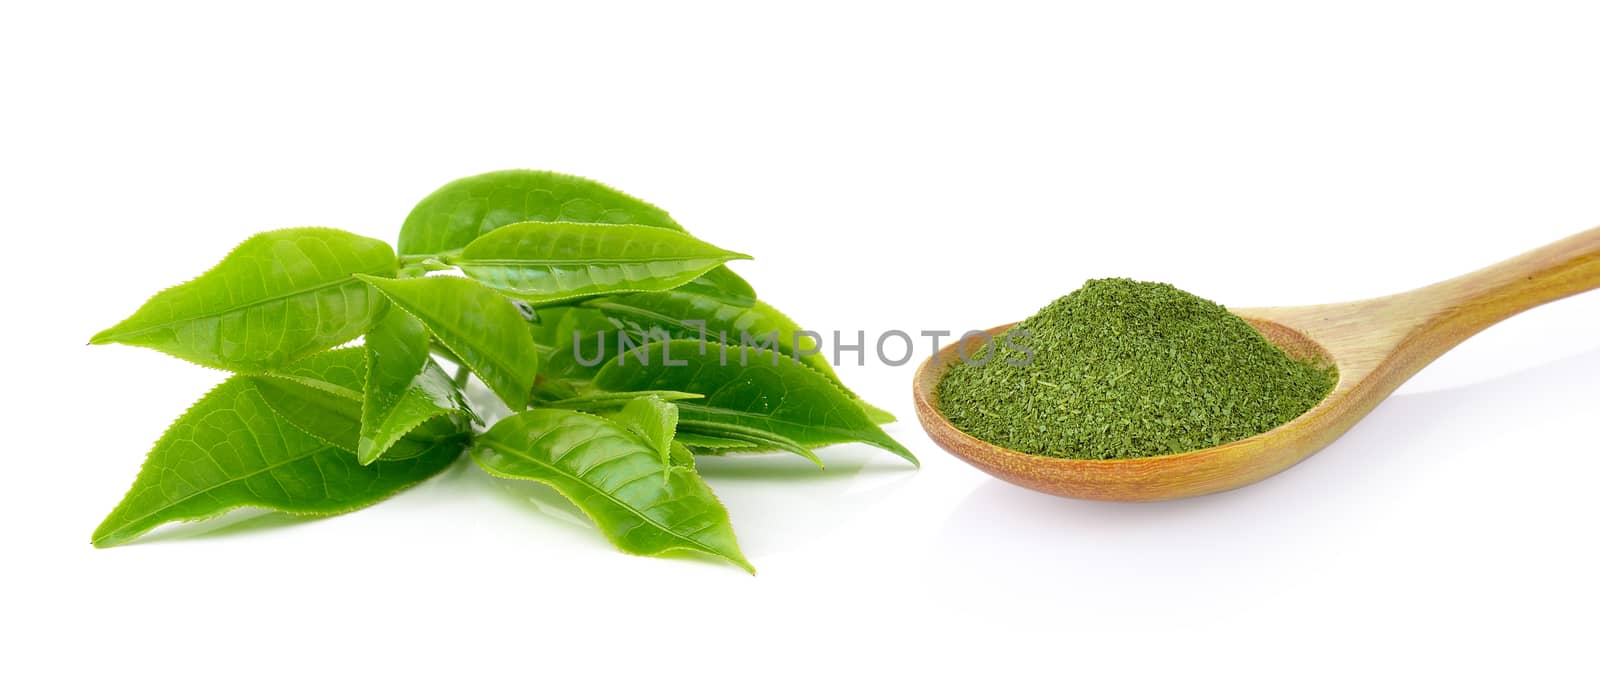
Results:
[917, 166]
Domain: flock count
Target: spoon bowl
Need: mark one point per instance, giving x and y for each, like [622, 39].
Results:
[1374, 344]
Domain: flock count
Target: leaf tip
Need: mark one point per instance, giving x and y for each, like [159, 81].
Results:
[367, 451]
[905, 453]
[107, 335]
[105, 536]
[736, 557]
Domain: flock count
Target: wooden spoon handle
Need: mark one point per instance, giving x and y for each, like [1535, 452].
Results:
[1450, 311]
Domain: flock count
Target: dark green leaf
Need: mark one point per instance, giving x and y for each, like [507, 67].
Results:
[231, 450]
[756, 393]
[278, 296]
[641, 504]
[480, 327]
[554, 261]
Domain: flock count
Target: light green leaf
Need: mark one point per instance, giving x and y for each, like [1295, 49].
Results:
[748, 389]
[723, 284]
[714, 443]
[321, 396]
[278, 296]
[642, 505]
[654, 420]
[680, 455]
[592, 401]
[565, 335]
[480, 327]
[231, 450]
[404, 387]
[689, 314]
[877, 415]
[339, 372]
[541, 262]
[464, 209]
[758, 439]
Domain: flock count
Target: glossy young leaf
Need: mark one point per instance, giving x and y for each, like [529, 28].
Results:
[554, 261]
[782, 397]
[652, 419]
[278, 296]
[404, 387]
[643, 505]
[480, 327]
[464, 209]
[231, 450]
[690, 314]
[321, 396]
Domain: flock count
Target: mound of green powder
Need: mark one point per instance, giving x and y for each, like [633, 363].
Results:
[1124, 368]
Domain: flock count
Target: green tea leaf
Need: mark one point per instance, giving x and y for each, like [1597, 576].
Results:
[339, 372]
[748, 389]
[651, 419]
[680, 456]
[689, 314]
[464, 209]
[715, 443]
[553, 261]
[610, 400]
[692, 314]
[877, 415]
[479, 326]
[231, 450]
[321, 396]
[565, 335]
[757, 439]
[404, 387]
[278, 296]
[722, 283]
[642, 505]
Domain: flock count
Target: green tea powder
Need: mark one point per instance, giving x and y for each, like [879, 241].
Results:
[1123, 368]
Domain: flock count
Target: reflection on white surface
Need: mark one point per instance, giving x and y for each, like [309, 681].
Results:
[1410, 451]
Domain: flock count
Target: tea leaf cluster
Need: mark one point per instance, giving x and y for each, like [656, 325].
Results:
[544, 267]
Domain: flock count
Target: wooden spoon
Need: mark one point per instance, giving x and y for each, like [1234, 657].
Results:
[1376, 344]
